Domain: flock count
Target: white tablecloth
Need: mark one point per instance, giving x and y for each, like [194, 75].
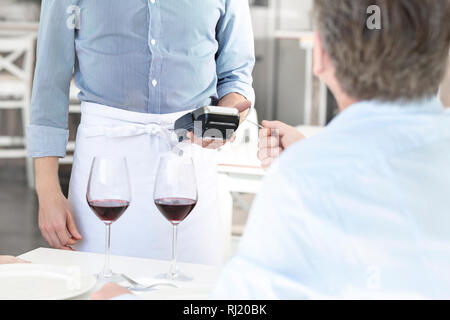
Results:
[142, 270]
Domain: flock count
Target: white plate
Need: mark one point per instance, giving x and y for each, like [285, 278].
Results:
[42, 282]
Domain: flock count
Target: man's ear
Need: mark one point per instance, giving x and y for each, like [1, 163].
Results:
[320, 56]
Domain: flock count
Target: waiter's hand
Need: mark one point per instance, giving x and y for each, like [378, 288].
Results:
[11, 260]
[240, 103]
[56, 221]
[273, 139]
[55, 216]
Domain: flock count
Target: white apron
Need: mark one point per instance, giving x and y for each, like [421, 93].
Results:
[142, 231]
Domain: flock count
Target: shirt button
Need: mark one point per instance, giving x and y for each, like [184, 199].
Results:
[153, 42]
[154, 83]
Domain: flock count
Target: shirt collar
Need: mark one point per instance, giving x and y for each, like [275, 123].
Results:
[369, 108]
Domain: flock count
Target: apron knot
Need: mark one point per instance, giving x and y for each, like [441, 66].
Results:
[125, 131]
[132, 130]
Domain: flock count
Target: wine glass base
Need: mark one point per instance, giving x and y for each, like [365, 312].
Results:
[179, 276]
[112, 277]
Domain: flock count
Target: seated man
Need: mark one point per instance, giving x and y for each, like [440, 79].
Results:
[361, 210]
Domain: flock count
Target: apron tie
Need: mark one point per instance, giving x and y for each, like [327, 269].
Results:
[132, 130]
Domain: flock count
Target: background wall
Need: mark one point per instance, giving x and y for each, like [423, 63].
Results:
[279, 76]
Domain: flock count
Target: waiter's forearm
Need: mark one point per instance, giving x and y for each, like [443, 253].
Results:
[47, 180]
[233, 99]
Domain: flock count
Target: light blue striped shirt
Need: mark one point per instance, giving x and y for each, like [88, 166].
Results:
[139, 55]
[361, 210]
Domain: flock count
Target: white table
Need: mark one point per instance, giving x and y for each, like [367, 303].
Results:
[137, 268]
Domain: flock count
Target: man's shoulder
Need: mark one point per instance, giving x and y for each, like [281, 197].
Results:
[319, 158]
[339, 152]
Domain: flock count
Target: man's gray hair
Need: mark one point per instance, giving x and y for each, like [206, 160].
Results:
[405, 59]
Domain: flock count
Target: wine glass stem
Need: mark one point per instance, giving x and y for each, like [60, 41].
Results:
[173, 265]
[107, 269]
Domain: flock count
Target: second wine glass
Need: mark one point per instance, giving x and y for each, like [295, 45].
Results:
[175, 196]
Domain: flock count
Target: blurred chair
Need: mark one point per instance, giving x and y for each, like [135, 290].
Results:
[16, 73]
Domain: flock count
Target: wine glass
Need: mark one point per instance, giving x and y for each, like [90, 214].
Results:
[109, 195]
[175, 196]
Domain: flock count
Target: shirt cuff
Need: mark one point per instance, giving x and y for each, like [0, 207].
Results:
[46, 141]
[243, 89]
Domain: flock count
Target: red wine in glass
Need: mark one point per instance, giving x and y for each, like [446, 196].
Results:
[108, 195]
[175, 195]
[109, 210]
[175, 209]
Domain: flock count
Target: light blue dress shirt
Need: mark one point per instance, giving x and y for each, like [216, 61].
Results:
[361, 210]
[149, 56]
